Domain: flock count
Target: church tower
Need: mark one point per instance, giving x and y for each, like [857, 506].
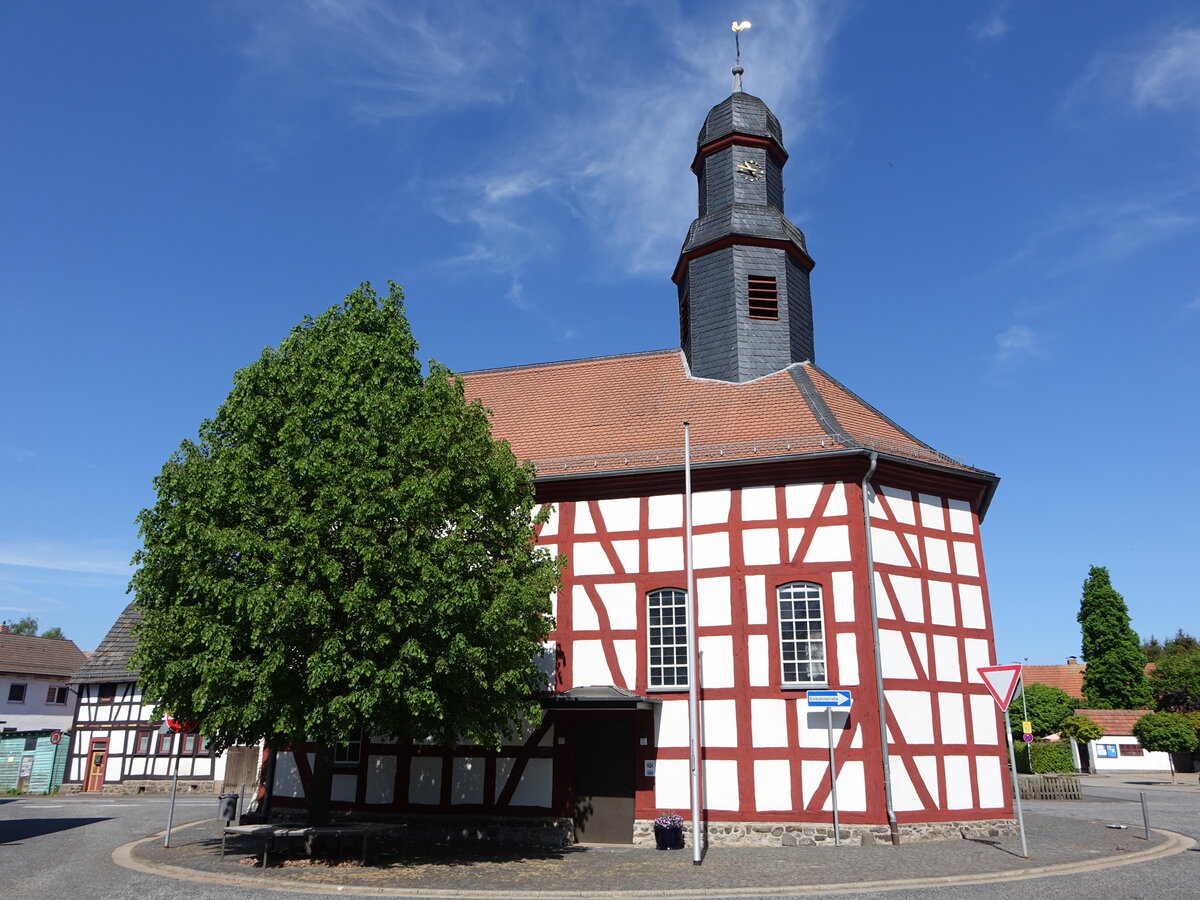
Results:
[742, 276]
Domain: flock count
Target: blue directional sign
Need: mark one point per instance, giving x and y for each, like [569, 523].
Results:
[834, 699]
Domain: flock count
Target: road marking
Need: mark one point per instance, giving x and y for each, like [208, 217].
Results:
[45, 806]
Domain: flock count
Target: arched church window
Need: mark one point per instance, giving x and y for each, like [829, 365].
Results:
[801, 633]
[667, 612]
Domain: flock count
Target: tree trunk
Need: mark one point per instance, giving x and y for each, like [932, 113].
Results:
[320, 786]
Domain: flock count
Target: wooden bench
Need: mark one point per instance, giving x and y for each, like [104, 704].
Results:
[269, 834]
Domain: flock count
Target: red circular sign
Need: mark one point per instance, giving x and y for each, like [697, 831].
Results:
[1028, 738]
[55, 737]
[180, 726]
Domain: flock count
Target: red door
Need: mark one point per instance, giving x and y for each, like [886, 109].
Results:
[97, 756]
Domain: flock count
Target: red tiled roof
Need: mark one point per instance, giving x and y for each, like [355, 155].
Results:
[24, 654]
[626, 412]
[1069, 677]
[1114, 721]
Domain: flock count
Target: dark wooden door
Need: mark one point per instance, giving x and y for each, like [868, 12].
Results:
[604, 773]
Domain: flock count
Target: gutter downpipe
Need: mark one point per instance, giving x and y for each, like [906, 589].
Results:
[693, 662]
[893, 827]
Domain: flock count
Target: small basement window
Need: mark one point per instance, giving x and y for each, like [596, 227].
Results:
[763, 294]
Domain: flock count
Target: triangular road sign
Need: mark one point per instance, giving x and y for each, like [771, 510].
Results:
[1001, 682]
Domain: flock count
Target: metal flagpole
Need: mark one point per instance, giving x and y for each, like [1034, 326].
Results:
[693, 664]
[837, 832]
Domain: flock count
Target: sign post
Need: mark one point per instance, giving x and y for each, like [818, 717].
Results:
[179, 727]
[831, 700]
[1001, 682]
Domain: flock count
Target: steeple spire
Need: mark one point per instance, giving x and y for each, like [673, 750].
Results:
[738, 28]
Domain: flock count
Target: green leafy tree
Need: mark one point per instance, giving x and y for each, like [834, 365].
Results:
[55, 634]
[26, 625]
[1181, 643]
[1166, 732]
[1115, 676]
[344, 546]
[1047, 707]
[1175, 682]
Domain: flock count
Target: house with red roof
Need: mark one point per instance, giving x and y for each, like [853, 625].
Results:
[821, 547]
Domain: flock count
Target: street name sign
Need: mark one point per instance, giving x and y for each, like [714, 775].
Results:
[831, 699]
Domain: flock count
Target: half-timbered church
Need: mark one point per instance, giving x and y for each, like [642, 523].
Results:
[832, 549]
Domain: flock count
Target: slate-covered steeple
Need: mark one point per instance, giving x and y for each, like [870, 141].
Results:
[744, 304]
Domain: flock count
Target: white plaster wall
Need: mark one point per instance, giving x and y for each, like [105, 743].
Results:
[710, 507]
[772, 784]
[588, 558]
[794, 537]
[758, 503]
[941, 603]
[626, 652]
[287, 777]
[894, 655]
[720, 784]
[830, 543]
[988, 782]
[344, 788]
[425, 780]
[588, 665]
[978, 655]
[466, 785]
[716, 660]
[801, 499]
[886, 547]
[718, 723]
[813, 773]
[672, 790]
[760, 546]
[908, 597]
[756, 599]
[843, 596]
[381, 779]
[960, 516]
[937, 555]
[958, 783]
[945, 658]
[904, 794]
[712, 550]
[620, 515]
[966, 558]
[768, 723]
[984, 725]
[671, 723]
[713, 601]
[847, 659]
[914, 713]
[837, 501]
[620, 602]
[1149, 761]
[900, 503]
[583, 614]
[534, 788]
[664, 554]
[551, 526]
[583, 519]
[927, 771]
[666, 511]
[758, 651]
[628, 555]
[970, 598]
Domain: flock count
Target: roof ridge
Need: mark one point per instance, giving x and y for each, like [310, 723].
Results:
[569, 362]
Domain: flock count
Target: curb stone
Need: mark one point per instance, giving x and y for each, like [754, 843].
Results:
[124, 856]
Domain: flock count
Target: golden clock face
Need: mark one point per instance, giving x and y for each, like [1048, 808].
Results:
[749, 170]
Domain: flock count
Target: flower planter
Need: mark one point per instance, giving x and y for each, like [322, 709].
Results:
[668, 837]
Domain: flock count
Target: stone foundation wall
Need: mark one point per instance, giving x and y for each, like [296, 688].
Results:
[801, 834]
[147, 786]
[505, 830]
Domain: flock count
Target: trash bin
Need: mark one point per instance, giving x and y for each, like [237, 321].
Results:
[227, 807]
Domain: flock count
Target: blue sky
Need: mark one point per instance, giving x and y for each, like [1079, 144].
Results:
[1001, 197]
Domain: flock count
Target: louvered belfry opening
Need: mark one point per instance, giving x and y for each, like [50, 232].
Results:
[763, 294]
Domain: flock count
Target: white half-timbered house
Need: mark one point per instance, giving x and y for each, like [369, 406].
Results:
[832, 550]
[119, 743]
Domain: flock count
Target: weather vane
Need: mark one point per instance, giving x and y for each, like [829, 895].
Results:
[738, 28]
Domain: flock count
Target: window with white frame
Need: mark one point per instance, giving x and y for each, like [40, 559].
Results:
[801, 633]
[16, 693]
[667, 612]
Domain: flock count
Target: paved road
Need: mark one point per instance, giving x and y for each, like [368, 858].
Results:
[62, 847]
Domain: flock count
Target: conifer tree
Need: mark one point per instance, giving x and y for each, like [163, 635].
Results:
[1115, 676]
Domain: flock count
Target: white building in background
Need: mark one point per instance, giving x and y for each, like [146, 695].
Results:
[35, 689]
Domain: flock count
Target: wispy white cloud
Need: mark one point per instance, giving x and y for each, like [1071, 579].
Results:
[1156, 71]
[1110, 229]
[1193, 304]
[93, 557]
[17, 454]
[384, 59]
[1016, 342]
[994, 25]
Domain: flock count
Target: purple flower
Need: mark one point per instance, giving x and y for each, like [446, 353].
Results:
[671, 821]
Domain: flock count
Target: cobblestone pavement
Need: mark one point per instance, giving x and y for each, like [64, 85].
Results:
[430, 871]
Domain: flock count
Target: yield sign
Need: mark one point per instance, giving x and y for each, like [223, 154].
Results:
[1001, 682]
